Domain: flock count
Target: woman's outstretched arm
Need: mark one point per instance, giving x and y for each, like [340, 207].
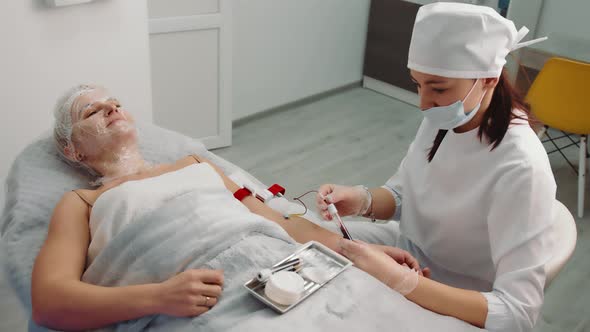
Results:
[300, 229]
[467, 305]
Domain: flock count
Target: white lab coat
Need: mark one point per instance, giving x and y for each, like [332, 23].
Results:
[481, 219]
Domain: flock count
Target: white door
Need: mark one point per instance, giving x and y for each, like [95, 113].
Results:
[191, 63]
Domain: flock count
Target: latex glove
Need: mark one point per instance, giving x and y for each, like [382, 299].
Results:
[189, 293]
[402, 257]
[380, 265]
[348, 200]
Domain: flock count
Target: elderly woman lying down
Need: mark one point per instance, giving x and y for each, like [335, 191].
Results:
[154, 245]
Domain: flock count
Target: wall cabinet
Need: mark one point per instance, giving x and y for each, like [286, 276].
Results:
[386, 54]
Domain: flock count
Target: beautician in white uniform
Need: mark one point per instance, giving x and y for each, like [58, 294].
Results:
[476, 186]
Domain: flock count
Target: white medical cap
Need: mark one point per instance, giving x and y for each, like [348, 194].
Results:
[463, 41]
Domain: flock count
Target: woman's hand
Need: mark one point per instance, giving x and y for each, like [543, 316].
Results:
[189, 293]
[348, 200]
[402, 257]
[380, 265]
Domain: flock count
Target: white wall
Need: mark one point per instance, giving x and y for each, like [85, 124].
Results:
[44, 51]
[564, 22]
[565, 19]
[286, 50]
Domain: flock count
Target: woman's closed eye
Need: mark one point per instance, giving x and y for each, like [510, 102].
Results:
[91, 111]
[115, 103]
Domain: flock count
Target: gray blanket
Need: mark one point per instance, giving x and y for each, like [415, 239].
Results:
[150, 250]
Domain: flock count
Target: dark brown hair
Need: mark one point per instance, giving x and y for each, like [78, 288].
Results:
[505, 100]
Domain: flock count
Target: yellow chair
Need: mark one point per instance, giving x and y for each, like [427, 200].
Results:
[558, 98]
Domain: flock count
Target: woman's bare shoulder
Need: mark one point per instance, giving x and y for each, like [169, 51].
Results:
[71, 204]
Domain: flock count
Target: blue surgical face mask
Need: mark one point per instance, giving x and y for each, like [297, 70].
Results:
[452, 116]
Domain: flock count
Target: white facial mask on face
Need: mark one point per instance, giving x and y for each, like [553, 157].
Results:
[452, 116]
[93, 127]
[100, 129]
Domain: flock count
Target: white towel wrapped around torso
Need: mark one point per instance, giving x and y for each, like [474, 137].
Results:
[131, 200]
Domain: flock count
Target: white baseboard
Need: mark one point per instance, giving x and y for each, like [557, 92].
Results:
[296, 103]
[391, 91]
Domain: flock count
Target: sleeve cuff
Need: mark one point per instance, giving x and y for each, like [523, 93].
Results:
[398, 202]
[499, 316]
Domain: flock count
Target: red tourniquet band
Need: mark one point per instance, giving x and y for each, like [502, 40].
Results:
[276, 189]
[242, 193]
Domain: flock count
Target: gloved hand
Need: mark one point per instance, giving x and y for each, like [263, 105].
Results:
[348, 200]
[380, 265]
[403, 258]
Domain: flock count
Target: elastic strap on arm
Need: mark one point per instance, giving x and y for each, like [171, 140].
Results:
[196, 158]
[82, 197]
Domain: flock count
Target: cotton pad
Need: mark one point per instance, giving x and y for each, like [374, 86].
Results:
[284, 287]
[315, 274]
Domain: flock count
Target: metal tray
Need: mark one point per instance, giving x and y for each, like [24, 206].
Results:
[312, 254]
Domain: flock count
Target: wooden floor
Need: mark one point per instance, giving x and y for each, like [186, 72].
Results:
[359, 137]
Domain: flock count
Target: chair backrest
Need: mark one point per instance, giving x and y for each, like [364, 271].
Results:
[566, 234]
[557, 96]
